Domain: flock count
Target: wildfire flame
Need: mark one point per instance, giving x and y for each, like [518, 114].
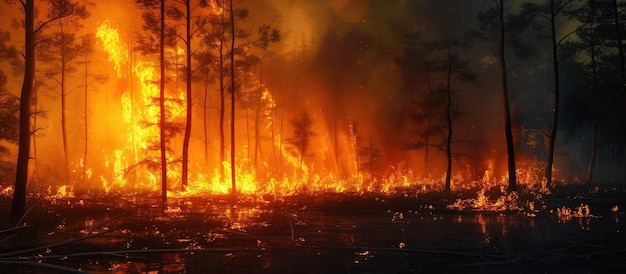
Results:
[130, 160]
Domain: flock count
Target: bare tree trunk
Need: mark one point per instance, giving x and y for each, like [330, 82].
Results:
[556, 84]
[21, 177]
[162, 111]
[372, 160]
[594, 148]
[273, 136]
[232, 106]
[280, 144]
[34, 102]
[596, 103]
[222, 102]
[247, 114]
[188, 105]
[335, 128]
[63, 103]
[257, 118]
[133, 142]
[85, 120]
[510, 146]
[205, 119]
[449, 119]
[427, 137]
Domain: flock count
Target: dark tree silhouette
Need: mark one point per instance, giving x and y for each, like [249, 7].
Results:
[182, 10]
[593, 70]
[154, 23]
[437, 107]
[61, 55]
[302, 134]
[503, 29]
[553, 13]
[57, 10]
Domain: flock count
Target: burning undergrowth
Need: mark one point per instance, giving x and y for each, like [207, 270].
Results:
[467, 230]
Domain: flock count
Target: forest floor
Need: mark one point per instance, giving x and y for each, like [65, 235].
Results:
[325, 233]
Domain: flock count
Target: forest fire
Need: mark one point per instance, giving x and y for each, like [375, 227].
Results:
[285, 136]
[140, 116]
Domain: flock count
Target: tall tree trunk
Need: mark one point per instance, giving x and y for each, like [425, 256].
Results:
[162, 110]
[594, 148]
[449, 119]
[63, 103]
[34, 102]
[205, 119]
[131, 90]
[273, 109]
[510, 146]
[247, 115]
[85, 120]
[556, 85]
[257, 117]
[280, 144]
[232, 106]
[427, 136]
[620, 47]
[21, 176]
[185, 171]
[596, 102]
[371, 156]
[335, 137]
[222, 101]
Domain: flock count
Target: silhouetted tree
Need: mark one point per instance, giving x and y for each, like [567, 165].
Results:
[57, 9]
[437, 107]
[502, 28]
[182, 10]
[594, 67]
[87, 47]
[62, 52]
[302, 134]
[553, 12]
[154, 23]
[369, 159]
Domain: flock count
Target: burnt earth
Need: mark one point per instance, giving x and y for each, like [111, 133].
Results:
[329, 233]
